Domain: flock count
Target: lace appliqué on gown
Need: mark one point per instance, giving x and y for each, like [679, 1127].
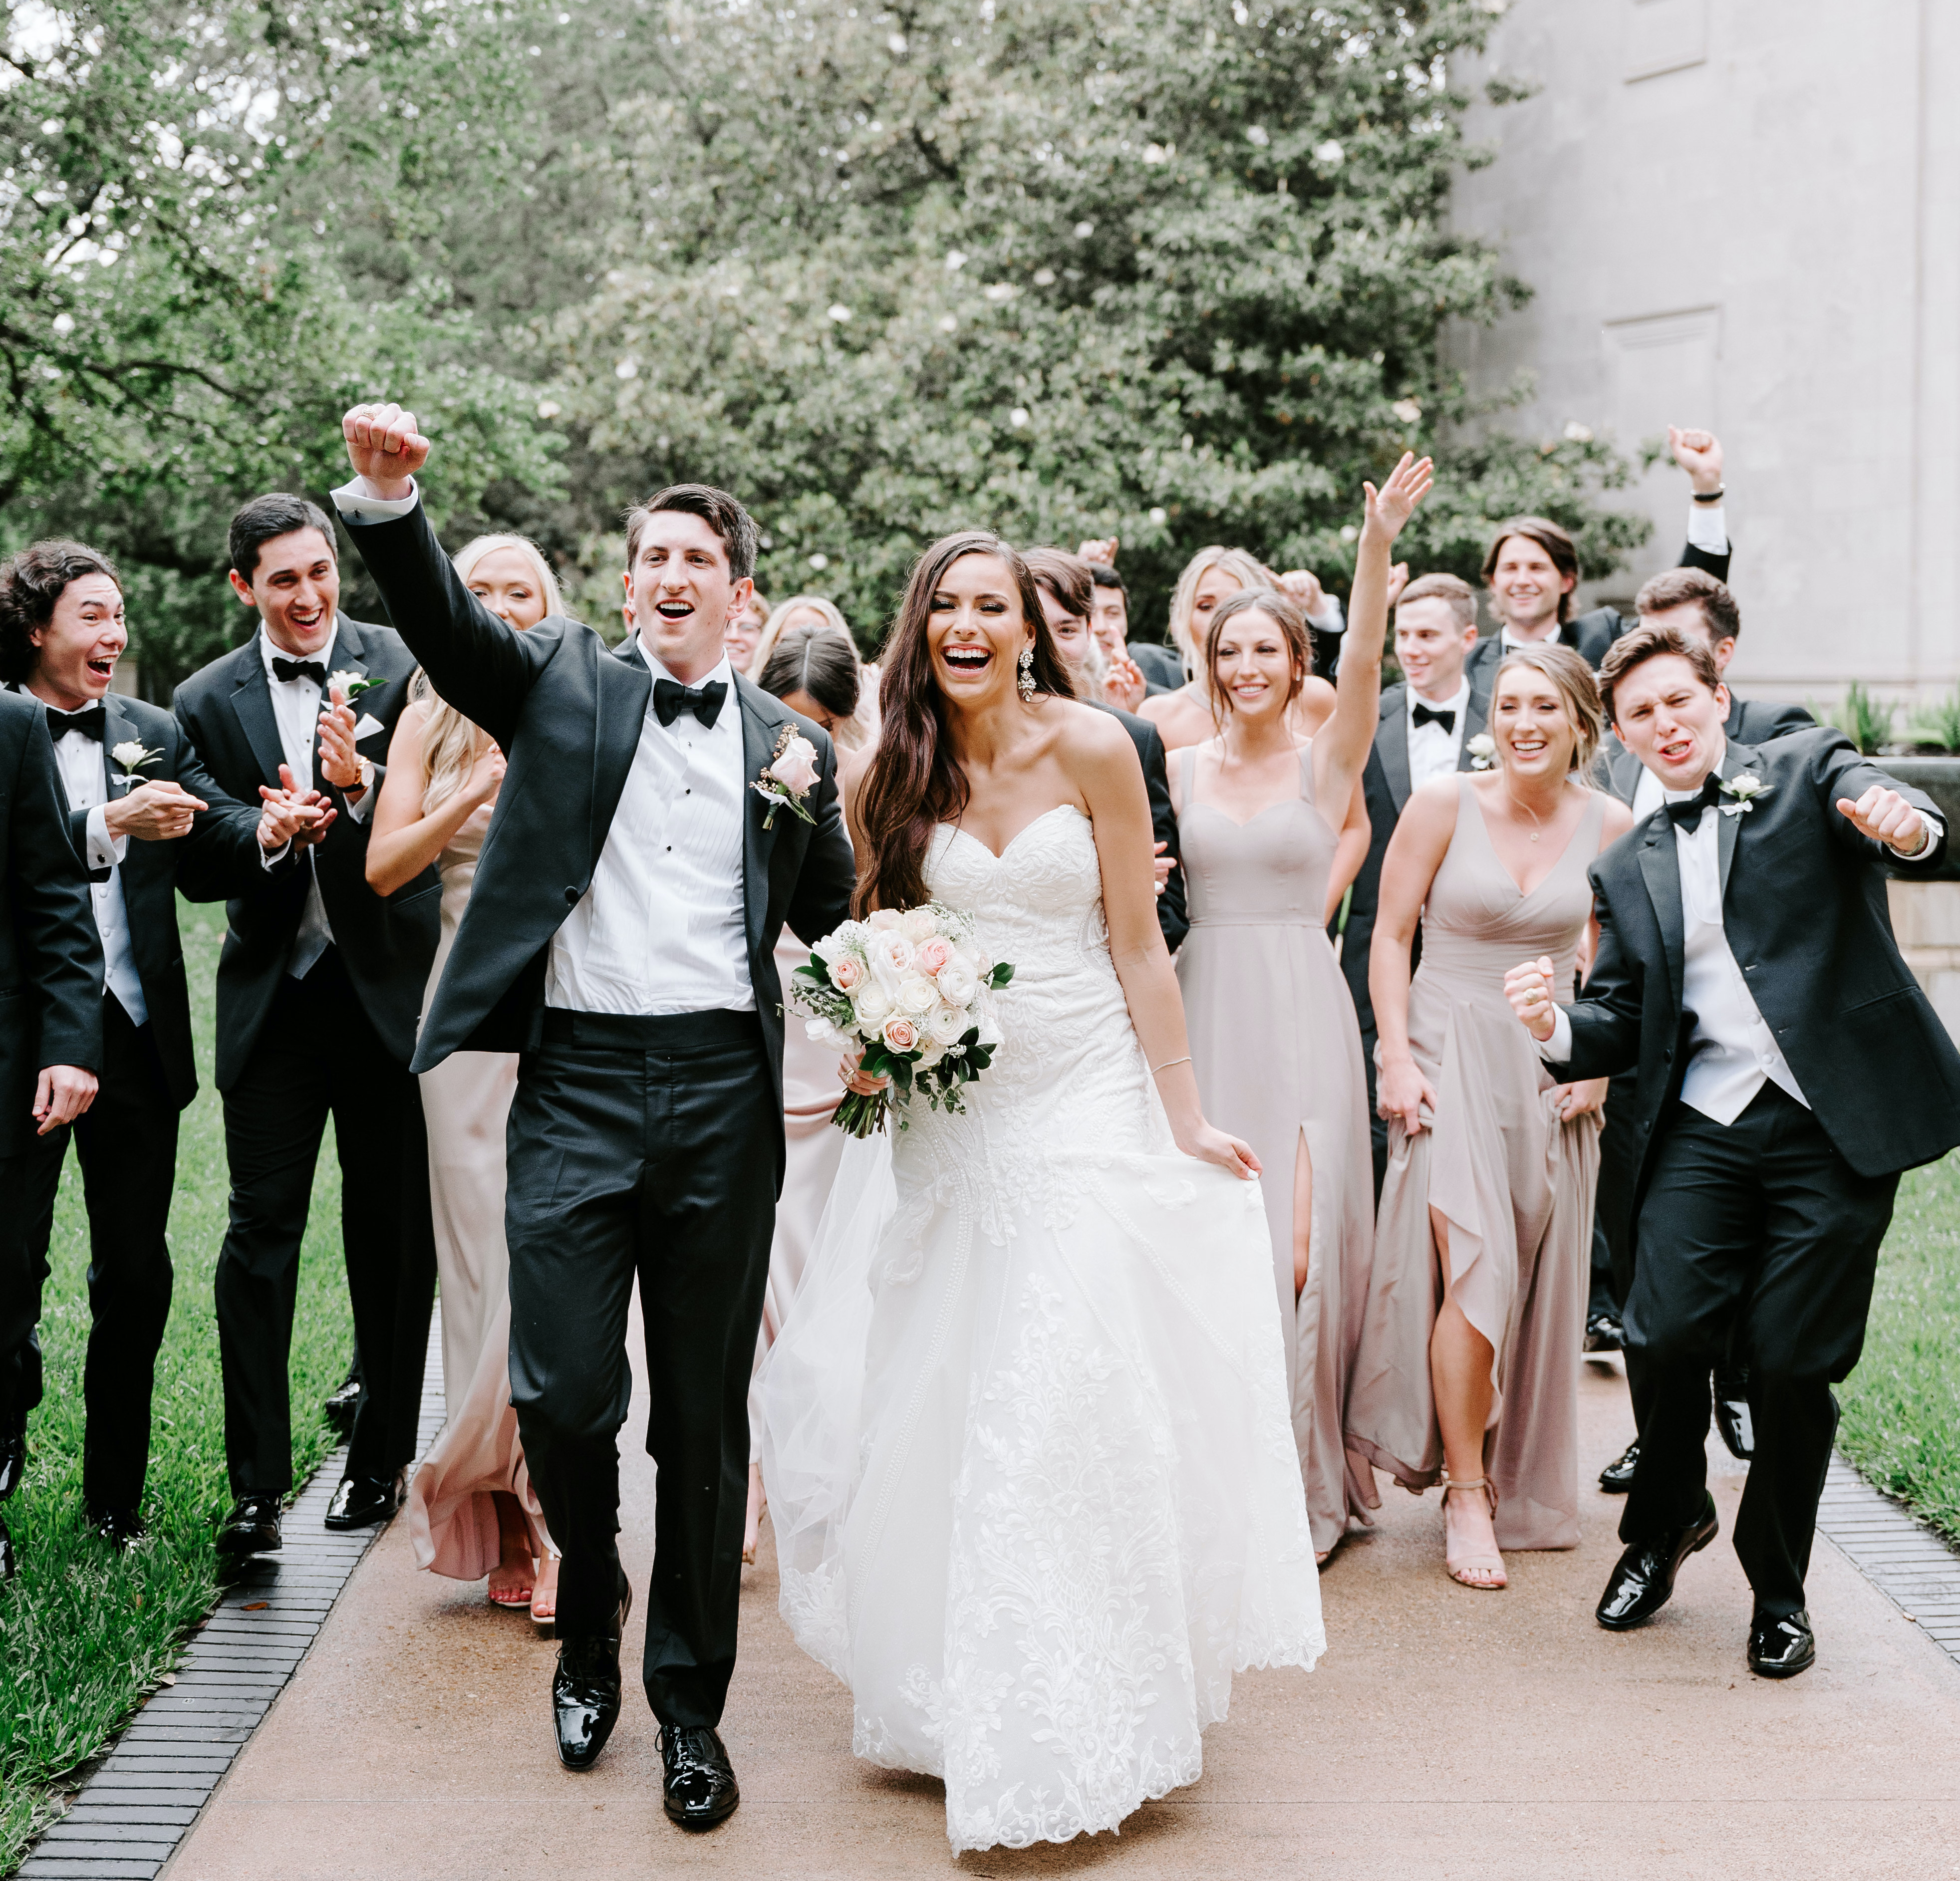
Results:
[1029, 1454]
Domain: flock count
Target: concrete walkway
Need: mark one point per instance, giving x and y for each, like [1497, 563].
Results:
[1447, 1733]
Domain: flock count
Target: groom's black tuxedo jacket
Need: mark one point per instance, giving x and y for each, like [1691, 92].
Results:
[387, 944]
[1804, 909]
[567, 713]
[50, 952]
[219, 857]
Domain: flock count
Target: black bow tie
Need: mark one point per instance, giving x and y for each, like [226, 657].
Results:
[1686, 814]
[671, 698]
[285, 669]
[1430, 715]
[92, 721]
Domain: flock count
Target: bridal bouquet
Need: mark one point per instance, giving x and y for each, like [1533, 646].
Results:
[911, 990]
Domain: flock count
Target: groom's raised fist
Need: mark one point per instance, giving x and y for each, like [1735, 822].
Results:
[384, 447]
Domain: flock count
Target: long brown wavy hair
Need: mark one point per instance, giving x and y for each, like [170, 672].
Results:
[915, 783]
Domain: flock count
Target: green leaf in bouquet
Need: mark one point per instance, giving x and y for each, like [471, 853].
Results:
[1001, 974]
[814, 969]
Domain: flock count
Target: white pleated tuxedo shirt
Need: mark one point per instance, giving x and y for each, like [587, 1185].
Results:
[663, 928]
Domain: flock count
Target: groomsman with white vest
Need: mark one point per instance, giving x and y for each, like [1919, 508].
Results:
[145, 821]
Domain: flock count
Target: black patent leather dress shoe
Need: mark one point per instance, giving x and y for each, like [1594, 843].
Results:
[8, 1565]
[1604, 1333]
[13, 1459]
[361, 1502]
[340, 1404]
[1732, 1414]
[1644, 1578]
[585, 1692]
[700, 1789]
[251, 1528]
[120, 1528]
[1618, 1477]
[1782, 1646]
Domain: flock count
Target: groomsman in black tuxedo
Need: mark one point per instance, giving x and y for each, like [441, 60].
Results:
[1746, 967]
[1694, 601]
[621, 938]
[1431, 720]
[1532, 567]
[50, 1043]
[320, 987]
[127, 772]
[1067, 593]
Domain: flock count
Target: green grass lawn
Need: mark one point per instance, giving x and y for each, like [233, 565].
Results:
[85, 1634]
[1901, 1422]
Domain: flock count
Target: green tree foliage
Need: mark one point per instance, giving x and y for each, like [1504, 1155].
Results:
[214, 235]
[1175, 269]
[1180, 270]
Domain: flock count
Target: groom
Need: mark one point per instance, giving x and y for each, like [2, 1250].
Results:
[1790, 1068]
[620, 935]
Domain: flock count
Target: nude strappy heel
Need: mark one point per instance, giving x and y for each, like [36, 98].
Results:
[1459, 1568]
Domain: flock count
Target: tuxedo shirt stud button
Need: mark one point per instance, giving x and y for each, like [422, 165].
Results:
[571, 897]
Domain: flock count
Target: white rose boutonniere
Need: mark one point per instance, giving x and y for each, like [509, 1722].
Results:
[786, 778]
[1742, 792]
[132, 755]
[349, 684]
[1483, 752]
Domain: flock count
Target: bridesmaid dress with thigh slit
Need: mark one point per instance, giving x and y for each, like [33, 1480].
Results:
[1277, 1052]
[466, 1101]
[1513, 1183]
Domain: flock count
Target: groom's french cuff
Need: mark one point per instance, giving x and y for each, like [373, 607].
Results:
[1932, 830]
[356, 506]
[1557, 1048]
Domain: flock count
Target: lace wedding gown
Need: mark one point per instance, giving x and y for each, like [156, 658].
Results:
[1026, 1444]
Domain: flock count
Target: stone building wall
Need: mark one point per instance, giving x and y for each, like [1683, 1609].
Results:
[1745, 213]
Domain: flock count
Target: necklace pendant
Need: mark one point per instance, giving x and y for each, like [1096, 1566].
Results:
[1534, 835]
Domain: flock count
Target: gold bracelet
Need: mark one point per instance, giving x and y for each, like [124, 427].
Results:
[1168, 1063]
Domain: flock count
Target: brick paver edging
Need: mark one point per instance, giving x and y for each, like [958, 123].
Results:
[141, 1800]
[1911, 1565]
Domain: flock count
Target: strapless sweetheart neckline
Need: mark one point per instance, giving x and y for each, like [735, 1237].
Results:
[1032, 823]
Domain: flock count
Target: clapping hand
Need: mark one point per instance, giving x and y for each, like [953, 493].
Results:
[290, 814]
[339, 761]
[1886, 817]
[1391, 506]
[1162, 866]
[1399, 579]
[1699, 453]
[1124, 684]
[1303, 586]
[1528, 988]
[485, 778]
[384, 447]
[158, 810]
[1102, 550]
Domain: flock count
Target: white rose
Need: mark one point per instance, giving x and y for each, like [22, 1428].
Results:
[977, 957]
[947, 1025]
[930, 1052]
[129, 754]
[919, 924]
[882, 918]
[872, 1006]
[958, 982]
[821, 1031]
[917, 995]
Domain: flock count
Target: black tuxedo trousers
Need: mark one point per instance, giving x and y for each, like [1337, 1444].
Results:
[648, 1148]
[1763, 1224]
[317, 1054]
[126, 1143]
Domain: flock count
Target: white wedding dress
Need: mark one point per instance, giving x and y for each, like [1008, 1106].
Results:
[1026, 1444]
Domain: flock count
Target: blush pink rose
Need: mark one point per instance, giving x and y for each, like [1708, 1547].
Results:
[931, 955]
[847, 975]
[901, 1034]
[795, 768]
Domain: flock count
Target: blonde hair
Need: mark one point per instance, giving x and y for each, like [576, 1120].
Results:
[1251, 573]
[1577, 688]
[451, 744]
[772, 628]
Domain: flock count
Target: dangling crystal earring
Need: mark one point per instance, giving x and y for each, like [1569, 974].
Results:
[1026, 681]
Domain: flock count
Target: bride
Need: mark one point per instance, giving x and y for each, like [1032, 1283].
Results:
[1026, 1443]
